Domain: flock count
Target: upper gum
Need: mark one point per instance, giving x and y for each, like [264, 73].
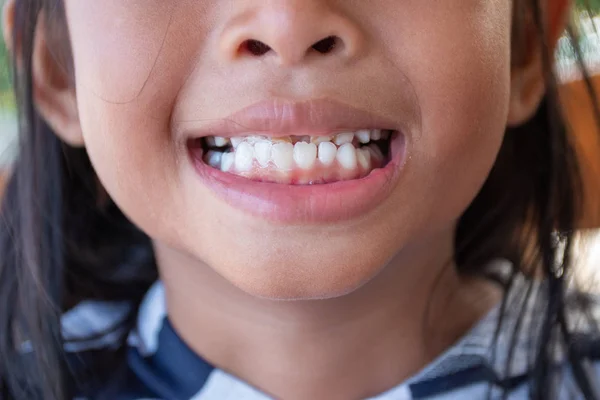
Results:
[288, 138]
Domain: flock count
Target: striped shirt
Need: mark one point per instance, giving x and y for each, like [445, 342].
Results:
[161, 366]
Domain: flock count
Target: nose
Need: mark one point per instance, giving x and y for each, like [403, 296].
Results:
[291, 32]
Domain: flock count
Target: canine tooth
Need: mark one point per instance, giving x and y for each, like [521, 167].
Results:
[327, 153]
[213, 158]
[375, 151]
[244, 157]
[235, 141]
[220, 141]
[376, 134]
[320, 139]
[227, 161]
[262, 152]
[343, 138]
[282, 155]
[364, 157]
[363, 136]
[346, 156]
[305, 154]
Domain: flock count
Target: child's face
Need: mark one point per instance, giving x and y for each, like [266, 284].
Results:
[152, 74]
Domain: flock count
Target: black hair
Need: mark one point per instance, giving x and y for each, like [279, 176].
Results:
[63, 240]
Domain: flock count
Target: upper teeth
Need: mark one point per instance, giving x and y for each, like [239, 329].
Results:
[363, 136]
[303, 152]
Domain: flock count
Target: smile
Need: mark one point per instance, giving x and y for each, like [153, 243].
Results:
[298, 159]
[299, 162]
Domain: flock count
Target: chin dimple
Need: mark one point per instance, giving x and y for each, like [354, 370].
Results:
[298, 159]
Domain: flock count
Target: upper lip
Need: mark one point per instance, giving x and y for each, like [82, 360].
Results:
[280, 118]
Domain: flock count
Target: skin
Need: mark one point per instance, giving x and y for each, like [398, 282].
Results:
[339, 310]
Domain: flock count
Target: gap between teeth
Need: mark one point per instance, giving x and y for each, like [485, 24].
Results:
[280, 153]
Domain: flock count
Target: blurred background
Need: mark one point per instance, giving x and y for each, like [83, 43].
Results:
[584, 129]
[8, 125]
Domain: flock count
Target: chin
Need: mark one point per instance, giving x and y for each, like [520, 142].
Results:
[276, 277]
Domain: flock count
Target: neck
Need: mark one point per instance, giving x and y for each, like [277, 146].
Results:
[353, 346]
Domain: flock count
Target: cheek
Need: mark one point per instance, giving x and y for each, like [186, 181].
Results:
[127, 85]
[133, 156]
[125, 110]
[113, 21]
[463, 88]
[135, 48]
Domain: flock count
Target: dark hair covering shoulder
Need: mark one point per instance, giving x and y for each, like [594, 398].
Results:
[63, 240]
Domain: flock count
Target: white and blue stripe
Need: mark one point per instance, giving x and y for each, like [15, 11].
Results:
[162, 366]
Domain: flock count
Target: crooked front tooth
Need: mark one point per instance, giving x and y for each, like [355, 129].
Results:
[282, 139]
[244, 157]
[305, 155]
[343, 138]
[364, 158]
[327, 153]
[282, 155]
[346, 156]
[320, 139]
[302, 138]
[363, 136]
[262, 152]
[227, 161]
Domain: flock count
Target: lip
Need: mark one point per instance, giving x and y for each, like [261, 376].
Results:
[301, 204]
[274, 118]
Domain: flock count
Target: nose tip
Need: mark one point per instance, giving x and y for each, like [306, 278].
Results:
[292, 33]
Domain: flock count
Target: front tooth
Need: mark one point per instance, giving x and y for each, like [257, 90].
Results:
[301, 138]
[235, 141]
[262, 152]
[282, 139]
[282, 155]
[327, 153]
[244, 156]
[364, 158]
[343, 138]
[317, 140]
[305, 154]
[363, 136]
[346, 156]
[376, 134]
[227, 161]
[214, 158]
[220, 141]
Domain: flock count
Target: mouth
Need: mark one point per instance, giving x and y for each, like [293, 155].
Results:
[318, 161]
[297, 159]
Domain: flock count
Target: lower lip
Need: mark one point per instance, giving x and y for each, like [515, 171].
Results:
[296, 204]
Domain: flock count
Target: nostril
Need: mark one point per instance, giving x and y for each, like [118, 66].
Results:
[255, 47]
[326, 45]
